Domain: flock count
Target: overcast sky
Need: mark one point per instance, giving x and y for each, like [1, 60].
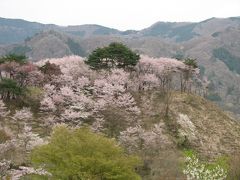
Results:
[120, 14]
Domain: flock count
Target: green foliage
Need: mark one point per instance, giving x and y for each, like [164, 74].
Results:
[21, 59]
[191, 62]
[34, 177]
[10, 89]
[189, 153]
[32, 98]
[231, 61]
[115, 55]
[80, 154]
[35, 92]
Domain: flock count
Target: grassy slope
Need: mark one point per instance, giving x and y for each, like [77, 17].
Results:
[215, 133]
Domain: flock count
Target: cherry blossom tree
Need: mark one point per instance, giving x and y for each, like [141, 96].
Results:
[196, 169]
[80, 93]
[28, 139]
[137, 138]
[4, 167]
[154, 72]
[77, 97]
[24, 142]
[70, 66]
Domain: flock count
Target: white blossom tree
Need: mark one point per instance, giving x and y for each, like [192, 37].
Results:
[196, 170]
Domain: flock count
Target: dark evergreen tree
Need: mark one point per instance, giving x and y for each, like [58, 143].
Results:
[116, 55]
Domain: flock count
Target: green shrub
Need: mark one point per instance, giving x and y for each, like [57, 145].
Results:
[21, 59]
[78, 153]
[9, 89]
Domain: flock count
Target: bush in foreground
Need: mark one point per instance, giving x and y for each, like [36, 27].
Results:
[78, 153]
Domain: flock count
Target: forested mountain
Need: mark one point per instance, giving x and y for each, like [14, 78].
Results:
[215, 43]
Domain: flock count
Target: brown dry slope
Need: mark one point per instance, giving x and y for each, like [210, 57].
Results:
[193, 123]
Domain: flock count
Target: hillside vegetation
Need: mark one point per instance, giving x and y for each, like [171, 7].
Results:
[154, 110]
[213, 42]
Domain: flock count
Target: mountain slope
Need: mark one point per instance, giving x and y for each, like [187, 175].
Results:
[113, 103]
[194, 123]
[215, 43]
[17, 30]
[48, 44]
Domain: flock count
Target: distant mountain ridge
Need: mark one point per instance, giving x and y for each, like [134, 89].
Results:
[17, 30]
